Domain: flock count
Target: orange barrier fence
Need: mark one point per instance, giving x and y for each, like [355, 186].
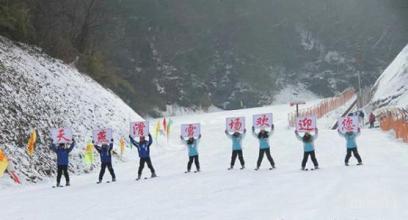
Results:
[397, 120]
[324, 107]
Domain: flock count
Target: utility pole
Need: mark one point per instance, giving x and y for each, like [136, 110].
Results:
[359, 66]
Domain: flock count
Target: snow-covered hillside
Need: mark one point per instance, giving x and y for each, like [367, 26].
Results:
[38, 92]
[374, 191]
[391, 88]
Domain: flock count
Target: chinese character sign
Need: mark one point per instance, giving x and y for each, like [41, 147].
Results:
[235, 124]
[263, 120]
[349, 123]
[102, 136]
[61, 135]
[306, 124]
[190, 130]
[139, 129]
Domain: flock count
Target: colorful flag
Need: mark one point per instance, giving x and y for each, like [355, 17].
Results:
[164, 125]
[3, 163]
[157, 130]
[89, 154]
[31, 143]
[169, 124]
[122, 144]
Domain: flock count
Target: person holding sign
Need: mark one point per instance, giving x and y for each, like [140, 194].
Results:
[143, 148]
[308, 147]
[236, 138]
[105, 152]
[62, 160]
[192, 143]
[264, 148]
[351, 145]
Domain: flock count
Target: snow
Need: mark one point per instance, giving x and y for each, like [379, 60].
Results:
[37, 91]
[376, 190]
[291, 93]
[392, 85]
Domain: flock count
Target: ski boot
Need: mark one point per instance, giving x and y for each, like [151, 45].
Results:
[257, 168]
[360, 163]
[230, 168]
[153, 175]
[138, 177]
[113, 179]
[242, 167]
[67, 184]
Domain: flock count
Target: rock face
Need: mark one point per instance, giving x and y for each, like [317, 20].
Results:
[39, 92]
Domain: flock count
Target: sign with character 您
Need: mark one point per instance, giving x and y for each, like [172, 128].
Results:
[348, 124]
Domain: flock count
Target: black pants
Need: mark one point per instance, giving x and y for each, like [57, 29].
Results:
[306, 155]
[356, 155]
[268, 155]
[371, 124]
[196, 162]
[236, 153]
[103, 168]
[62, 169]
[142, 164]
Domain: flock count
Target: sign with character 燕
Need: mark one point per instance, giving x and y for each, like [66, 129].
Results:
[102, 136]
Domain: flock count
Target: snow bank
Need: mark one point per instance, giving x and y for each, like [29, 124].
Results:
[39, 92]
[392, 85]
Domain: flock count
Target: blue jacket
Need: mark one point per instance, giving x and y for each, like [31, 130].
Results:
[236, 141]
[62, 153]
[263, 142]
[105, 152]
[307, 146]
[350, 139]
[143, 147]
[192, 148]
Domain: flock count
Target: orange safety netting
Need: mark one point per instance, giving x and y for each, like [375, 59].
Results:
[396, 120]
[323, 107]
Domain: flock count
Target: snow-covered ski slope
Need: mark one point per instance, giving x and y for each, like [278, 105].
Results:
[377, 190]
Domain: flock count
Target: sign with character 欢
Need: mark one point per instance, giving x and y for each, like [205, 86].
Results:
[262, 121]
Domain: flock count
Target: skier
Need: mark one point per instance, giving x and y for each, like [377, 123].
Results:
[143, 148]
[308, 147]
[192, 152]
[371, 119]
[105, 152]
[62, 161]
[361, 116]
[351, 146]
[264, 148]
[236, 138]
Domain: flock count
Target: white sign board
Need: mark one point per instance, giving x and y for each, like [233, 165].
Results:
[306, 124]
[235, 124]
[262, 120]
[349, 123]
[139, 129]
[102, 136]
[61, 135]
[190, 130]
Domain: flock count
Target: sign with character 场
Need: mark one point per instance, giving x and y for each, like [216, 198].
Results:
[190, 130]
[139, 129]
[235, 124]
[306, 124]
[262, 121]
[102, 136]
[61, 135]
[348, 124]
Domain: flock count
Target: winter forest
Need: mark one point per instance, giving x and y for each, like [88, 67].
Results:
[204, 109]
